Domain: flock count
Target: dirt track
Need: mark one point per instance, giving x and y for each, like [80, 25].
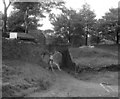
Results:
[68, 86]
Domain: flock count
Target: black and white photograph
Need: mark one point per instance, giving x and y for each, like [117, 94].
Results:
[59, 49]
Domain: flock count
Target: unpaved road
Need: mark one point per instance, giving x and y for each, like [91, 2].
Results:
[68, 86]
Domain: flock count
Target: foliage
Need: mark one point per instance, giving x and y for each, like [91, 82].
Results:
[77, 41]
[108, 25]
[67, 24]
[38, 35]
[19, 17]
[88, 20]
[48, 32]
[72, 25]
[88, 17]
[95, 39]
[1, 23]
[14, 49]
[27, 14]
[59, 40]
[5, 16]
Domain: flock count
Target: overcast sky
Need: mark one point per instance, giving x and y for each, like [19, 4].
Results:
[99, 7]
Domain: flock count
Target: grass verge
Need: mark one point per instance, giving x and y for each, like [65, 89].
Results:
[21, 78]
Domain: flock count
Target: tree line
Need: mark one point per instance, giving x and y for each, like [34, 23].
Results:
[73, 26]
[77, 26]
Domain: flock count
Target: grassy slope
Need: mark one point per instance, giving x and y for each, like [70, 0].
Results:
[95, 57]
[100, 56]
[21, 78]
[23, 70]
[24, 75]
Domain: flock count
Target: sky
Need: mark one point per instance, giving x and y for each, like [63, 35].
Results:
[100, 7]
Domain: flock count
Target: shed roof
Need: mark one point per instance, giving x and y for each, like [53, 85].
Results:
[24, 35]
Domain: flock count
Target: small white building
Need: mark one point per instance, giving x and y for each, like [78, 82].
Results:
[13, 35]
[21, 36]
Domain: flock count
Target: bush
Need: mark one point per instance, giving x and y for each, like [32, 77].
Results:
[11, 49]
[9, 91]
[14, 49]
[95, 40]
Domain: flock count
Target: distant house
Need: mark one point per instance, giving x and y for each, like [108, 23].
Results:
[33, 35]
[24, 36]
[13, 35]
[21, 36]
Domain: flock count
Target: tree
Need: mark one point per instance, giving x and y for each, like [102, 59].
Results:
[110, 25]
[1, 15]
[67, 24]
[96, 35]
[88, 20]
[26, 14]
[5, 15]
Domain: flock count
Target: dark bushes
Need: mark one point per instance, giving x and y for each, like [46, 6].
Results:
[15, 49]
[11, 49]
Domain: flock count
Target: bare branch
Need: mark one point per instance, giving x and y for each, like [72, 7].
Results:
[4, 3]
[8, 4]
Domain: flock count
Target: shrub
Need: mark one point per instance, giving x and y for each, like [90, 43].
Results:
[11, 49]
[14, 49]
